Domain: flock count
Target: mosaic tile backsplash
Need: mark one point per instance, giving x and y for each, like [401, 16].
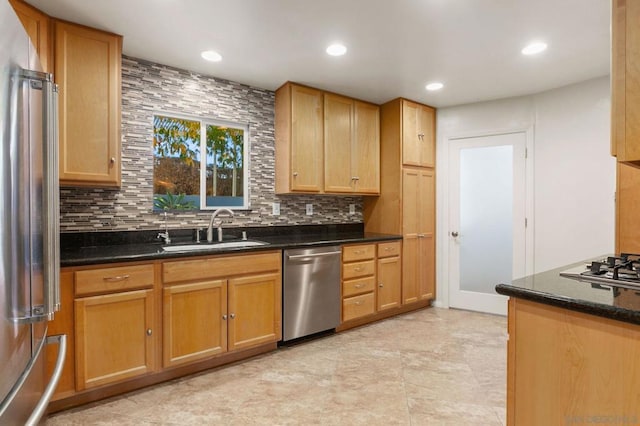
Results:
[149, 88]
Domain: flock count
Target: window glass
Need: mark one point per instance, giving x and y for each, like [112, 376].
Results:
[182, 180]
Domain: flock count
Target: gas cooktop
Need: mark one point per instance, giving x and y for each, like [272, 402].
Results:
[620, 271]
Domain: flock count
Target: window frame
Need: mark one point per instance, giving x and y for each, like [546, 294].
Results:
[204, 122]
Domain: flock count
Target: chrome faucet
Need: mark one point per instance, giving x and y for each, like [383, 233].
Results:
[165, 235]
[210, 228]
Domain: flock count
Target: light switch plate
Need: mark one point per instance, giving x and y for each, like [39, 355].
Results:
[352, 209]
[309, 209]
[275, 209]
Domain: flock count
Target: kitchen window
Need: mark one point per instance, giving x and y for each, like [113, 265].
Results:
[184, 178]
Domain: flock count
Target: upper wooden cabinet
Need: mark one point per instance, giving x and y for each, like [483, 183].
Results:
[625, 81]
[299, 134]
[87, 70]
[37, 25]
[418, 136]
[351, 146]
[325, 143]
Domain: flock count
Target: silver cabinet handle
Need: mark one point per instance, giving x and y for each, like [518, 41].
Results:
[357, 269]
[421, 235]
[359, 285]
[224, 317]
[113, 160]
[232, 316]
[380, 285]
[149, 332]
[42, 404]
[116, 278]
[358, 251]
[359, 302]
[388, 249]
[454, 234]
[295, 174]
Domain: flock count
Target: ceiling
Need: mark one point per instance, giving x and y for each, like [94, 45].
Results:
[394, 47]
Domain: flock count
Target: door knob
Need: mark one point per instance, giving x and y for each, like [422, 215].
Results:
[454, 234]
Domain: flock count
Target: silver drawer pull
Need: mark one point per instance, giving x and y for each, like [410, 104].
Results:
[380, 285]
[388, 249]
[359, 302]
[116, 279]
[357, 269]
[359, 285]
[149, 332]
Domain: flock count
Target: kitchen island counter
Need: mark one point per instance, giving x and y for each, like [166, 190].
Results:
[573, 351]
[618, 303]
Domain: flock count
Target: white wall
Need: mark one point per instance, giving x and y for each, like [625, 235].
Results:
[573, 177]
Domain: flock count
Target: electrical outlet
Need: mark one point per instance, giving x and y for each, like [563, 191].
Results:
[352, 209]
[275, 209]
[309, 209]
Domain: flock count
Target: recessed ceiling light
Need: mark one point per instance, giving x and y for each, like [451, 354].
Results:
[534, 47]
[336, 49]
[211, 55]
[436, 85]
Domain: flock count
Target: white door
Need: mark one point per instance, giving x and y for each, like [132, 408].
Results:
[487, 205]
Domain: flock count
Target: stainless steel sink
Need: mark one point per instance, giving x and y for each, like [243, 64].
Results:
[215, 246]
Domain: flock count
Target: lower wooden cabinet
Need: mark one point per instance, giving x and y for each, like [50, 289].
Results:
[114, 337]
[566, 367]
[371, 279]
[389, 280]
[229, 303]
[194, 321]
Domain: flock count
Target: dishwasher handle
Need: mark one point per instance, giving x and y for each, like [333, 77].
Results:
[305, 256]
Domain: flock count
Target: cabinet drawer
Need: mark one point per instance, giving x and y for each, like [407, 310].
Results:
[360, 252]
[358, 306]
[220, 266]
[389, 249]
[351, 287]
[106, 280]
[358, 269]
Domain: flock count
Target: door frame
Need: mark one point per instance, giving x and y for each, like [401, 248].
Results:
[442, 206]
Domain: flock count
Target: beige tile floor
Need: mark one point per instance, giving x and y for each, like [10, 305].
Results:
[432, 367]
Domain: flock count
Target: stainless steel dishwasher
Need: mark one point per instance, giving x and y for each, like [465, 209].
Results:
[311, 291]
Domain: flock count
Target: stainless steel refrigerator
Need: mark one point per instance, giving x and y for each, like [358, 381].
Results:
[29, 263]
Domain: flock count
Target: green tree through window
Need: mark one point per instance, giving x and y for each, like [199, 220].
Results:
[178, 174]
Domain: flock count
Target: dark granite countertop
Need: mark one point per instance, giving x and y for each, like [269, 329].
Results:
[550, 288]
[110, 247]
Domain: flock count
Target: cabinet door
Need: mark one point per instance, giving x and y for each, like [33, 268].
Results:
[426, 135]
[306, 139]
[410, 231]
[87, 68]
[625, 80]
[254, 310]
[195, 325]
[114, 337]
[36, 24]
[410, 141]
[338, 143]
[426, 256]
[366, 151]
[389, 279]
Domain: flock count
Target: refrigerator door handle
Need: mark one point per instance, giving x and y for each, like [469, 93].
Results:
[51, 198]
[41, 407]
[61, 339]
[51, 228]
